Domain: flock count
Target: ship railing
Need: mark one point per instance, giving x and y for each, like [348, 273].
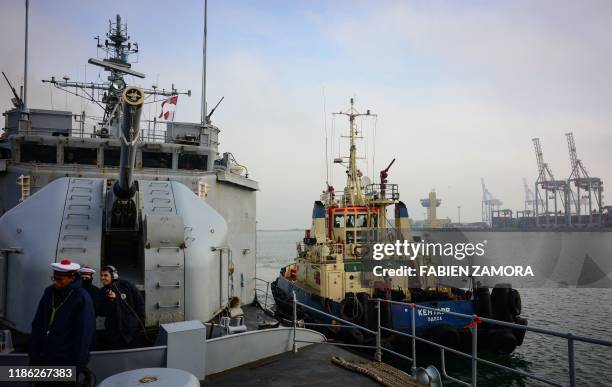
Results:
[382, 191]
[570, 339]
[263, 294]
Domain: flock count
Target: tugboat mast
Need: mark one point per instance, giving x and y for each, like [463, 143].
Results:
[353, 194]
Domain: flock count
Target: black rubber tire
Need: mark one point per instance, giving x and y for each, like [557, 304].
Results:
[504, 341]
[356, 336]
[483, 302]
[519, 333]
[500, 303]
[514, 302]
[351, 309]
[444, 335]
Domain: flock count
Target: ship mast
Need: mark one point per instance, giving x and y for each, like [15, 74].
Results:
[353, 193]
[107, 95]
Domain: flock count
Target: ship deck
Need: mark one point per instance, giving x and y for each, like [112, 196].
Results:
[310, 366]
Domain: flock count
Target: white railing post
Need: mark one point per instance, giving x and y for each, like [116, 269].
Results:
[570, 357]
[378, 354]
[294, 322]
[414, 357]
[475, 321]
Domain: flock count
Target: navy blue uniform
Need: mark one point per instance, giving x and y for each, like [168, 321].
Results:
[94, 293]
[63, 337]
[125, 315]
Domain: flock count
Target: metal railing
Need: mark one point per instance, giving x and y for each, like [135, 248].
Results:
[263, 294]
[473, 326]
[383, 191]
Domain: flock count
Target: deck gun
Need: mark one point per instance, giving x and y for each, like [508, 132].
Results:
[122, 200]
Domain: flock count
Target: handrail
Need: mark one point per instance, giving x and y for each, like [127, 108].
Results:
[263, 294]
[473, 326]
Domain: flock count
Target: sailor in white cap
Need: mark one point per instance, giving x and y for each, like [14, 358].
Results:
[65, 266]
[86, 272]
[64, 324]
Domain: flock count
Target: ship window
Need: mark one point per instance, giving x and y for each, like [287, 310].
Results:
[374, 220]
[87, 156]
[35, 153]
[338, 220]
[362, 236]
[156, 160]
[362, 220]
[5, 153]
[190, 162]
[350, 237]
[112, 157]
[350, 221]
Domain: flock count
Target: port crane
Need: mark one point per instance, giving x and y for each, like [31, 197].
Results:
[587, 188]
[546, 185]
[489, 203]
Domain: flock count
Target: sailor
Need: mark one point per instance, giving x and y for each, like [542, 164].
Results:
[123, 307]
[86, 273]
[64, 324]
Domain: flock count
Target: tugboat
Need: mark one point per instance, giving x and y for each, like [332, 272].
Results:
[333, 271]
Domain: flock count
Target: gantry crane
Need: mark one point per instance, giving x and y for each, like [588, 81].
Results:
[590, 186]
[489, 203]
[557, 190]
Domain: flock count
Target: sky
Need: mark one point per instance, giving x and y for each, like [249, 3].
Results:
[460, 88]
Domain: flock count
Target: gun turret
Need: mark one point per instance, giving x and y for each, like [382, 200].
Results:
[124, 209]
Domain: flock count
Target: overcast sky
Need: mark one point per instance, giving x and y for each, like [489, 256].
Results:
[460, 88]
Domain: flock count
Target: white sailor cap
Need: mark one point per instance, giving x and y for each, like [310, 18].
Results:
[65, 265]
[86, 269]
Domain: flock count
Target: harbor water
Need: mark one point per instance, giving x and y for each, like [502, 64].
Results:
[585, 312]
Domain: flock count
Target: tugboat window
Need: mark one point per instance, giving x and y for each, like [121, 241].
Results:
[87, 156]
[374, 220]
[362, 220]
[350, 221]
[156, 160]
[35, 153]
[350, 237]
[362, 236]
[112, 157]
[338, 220]
[192, 162]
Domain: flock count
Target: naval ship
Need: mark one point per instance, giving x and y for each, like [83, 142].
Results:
[564, 232]
[335, 270]
[59, 196]
[172, 214]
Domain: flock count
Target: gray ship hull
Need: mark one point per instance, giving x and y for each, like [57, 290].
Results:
[558, 258]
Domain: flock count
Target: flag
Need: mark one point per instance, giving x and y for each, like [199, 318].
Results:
[168, 108]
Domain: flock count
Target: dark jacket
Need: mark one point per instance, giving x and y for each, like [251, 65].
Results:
[94, 293]
[125, 315]
[67, 340]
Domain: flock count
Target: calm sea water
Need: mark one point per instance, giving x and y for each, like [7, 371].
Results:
[586, 312]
